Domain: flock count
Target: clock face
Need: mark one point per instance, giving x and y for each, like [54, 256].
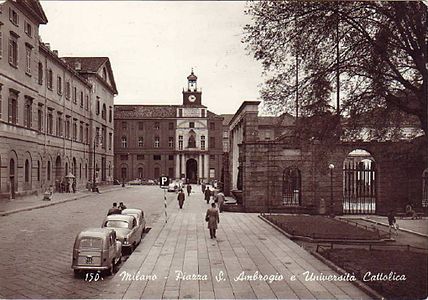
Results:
[192, 98]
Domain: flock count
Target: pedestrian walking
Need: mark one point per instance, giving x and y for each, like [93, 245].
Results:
[122, 206]
[114, 210]
[220, 200]
[392, 222]
[212, 217]
[207, 195]
[203, 187]
[181, 197]
[189, 189]
[73, 186]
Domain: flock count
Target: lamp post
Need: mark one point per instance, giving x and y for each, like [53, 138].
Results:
[331, 167]
[94, 186]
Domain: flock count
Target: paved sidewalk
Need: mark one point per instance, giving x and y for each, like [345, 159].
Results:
[8, 207]
[418, 226]
[244, 244]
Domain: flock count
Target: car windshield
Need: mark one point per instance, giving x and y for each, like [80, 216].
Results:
[90, 243]
[117, 224]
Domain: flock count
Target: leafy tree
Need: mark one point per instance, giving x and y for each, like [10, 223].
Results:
[378, 48]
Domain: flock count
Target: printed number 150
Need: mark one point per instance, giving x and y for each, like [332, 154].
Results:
[92, 277]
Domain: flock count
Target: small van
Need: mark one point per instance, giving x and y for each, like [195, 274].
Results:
[96, 249]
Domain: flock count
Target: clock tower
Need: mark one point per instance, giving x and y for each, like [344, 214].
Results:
[191, 95]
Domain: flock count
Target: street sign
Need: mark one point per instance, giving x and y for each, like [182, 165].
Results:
[164, 182]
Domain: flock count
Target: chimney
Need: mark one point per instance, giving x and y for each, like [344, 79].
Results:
[48, 45]
[55, 52]
[77, 66]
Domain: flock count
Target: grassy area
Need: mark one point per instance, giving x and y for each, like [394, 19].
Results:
[361, 261]
[321, 227]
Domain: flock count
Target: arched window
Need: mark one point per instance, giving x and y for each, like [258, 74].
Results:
[27, 171]
[124, 142]
[425, 188]
[291, 186]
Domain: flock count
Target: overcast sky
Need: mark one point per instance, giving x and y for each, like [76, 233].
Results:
[153, 46]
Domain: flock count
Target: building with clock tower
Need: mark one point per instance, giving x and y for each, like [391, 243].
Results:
[181, 141]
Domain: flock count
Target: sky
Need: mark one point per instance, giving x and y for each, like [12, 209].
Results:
[152, 46]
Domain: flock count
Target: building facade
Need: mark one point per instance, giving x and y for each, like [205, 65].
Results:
[53, 110]
[180, 141]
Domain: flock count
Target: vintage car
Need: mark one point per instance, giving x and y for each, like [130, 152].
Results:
[96, 249]
[175, 186]
[139, 216]
[126, 229]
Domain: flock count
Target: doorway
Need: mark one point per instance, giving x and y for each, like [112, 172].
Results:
[12, 178]
[191, 171]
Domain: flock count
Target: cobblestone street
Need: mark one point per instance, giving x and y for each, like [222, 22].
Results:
[36, 246]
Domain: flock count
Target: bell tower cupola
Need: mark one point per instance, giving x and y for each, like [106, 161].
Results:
[191, 95]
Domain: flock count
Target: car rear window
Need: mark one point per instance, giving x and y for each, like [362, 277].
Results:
[90, 243]
[117, 224]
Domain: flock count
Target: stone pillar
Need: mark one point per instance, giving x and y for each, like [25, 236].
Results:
[183, 165]
[177, 166]
[207, 169]
[200, 175]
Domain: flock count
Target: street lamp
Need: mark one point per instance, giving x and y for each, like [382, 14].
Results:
[94, 187]
[331, 167]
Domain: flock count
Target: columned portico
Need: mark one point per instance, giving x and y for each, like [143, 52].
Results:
[206, 167]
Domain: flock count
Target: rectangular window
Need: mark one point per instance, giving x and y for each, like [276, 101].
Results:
[67, 127]
[67, 90]
[140, 125]
[59, 85]
[74, 129]
[59, 125]
[40, 118]
[103, 137]
[28, 60]
[110, 114]
[180, 112]
[50, 79]
[110, 140]
[13, 51]
[203, 113]
[225, 147]
[191, 124]
[140, 156]
[81, 99]
[87, 133]
[212, 126]
[50, 121]
[140, 141]
[180, 142]
[170, 157]
[40, 73]
[212, 142]
[28, 114]
[13, 107]
[97, 136]
[28, 29]
[156, 157]
[212, 173]
[86, 102]
[157, 142]
[171, 126]
[13, 16]
[74, 95]
[171, 142]
[203, 142]
[81, 132]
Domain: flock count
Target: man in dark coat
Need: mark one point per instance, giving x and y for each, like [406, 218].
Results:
[181, 197]
[212, 217]
[114, 210]
[207, 194]
[189, 189]
[203, 188]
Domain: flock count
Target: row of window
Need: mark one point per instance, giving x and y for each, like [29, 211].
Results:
[156, 125]
[14, 19]
[156, 142]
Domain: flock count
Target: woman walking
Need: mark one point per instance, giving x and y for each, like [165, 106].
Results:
[212, 217]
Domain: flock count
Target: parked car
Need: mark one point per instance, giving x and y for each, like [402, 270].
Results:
[175, 186]
[126, 229]
[96, 249]
[135, 182]
[138, 214]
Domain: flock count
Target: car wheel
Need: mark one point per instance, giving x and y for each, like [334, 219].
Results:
[76, 273]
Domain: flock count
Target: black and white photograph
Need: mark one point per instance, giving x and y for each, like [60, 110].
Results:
[213, 149]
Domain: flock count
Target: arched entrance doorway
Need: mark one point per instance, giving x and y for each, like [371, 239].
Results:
[12, 178]
[359, 183]
[192, 171]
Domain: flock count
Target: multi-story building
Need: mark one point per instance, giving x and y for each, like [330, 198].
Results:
[53, 110]
[180, 141]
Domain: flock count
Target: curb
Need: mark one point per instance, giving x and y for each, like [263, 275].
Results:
[358, 283]
[14, 211]
[401, 229]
